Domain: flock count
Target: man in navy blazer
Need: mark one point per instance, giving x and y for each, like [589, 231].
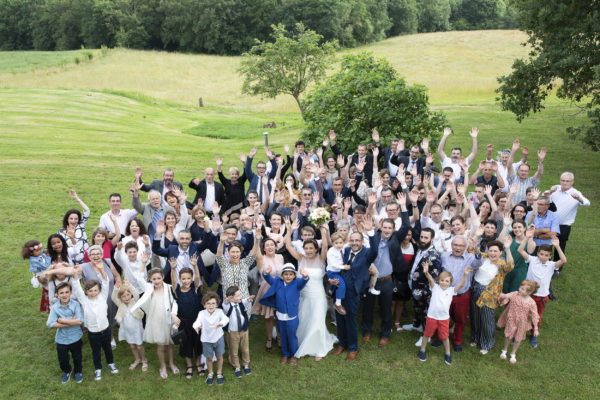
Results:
[261, 169]
[357, 281]
[413, 159]
[284, 295]
[182, 252]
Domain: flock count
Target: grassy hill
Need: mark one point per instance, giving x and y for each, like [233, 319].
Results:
[88, 125]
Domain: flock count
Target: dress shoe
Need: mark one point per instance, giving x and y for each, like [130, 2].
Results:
[338, 350]
[283, 360]
[352, 355]
[293, 361]
[340, 309]
[366, 338]
[383, 341]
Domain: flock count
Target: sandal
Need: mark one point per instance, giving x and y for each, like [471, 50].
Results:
[503, 355]
[174, 369]
[144, 366]
[269, 345]
[163, 373]
[189, 371]
[134, 365]
[513, 358]
[200, 370]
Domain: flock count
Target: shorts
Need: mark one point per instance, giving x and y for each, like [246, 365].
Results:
[217, 348]
[431, 325]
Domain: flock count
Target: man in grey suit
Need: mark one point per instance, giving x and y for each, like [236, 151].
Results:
[162, 187]
[152, 212]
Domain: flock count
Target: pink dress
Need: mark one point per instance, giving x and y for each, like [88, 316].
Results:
[276, 264]
[519, 317]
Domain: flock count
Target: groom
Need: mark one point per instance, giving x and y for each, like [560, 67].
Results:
[357, 280]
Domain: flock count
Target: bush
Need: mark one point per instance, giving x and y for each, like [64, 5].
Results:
[367, 94]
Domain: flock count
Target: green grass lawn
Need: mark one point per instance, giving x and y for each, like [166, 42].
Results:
[54, 139]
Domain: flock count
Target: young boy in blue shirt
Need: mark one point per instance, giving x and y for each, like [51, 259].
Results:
[284, 295]
[66, 317]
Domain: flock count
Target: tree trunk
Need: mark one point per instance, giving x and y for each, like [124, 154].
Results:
[297, 98]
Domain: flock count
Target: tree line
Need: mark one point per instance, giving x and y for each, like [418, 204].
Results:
[230, 27]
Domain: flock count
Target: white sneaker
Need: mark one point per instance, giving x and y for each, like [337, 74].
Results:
[420, 341]
[113, 344]
[420, 329]
[408, 327]
[483, 352]
[97, 374]
[374, 292]
[113, 369]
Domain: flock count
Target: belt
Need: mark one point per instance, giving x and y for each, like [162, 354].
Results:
[458, 295]
[384, 278]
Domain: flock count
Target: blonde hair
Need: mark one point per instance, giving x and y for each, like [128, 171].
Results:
[445, 274]
[532, 285]
[337, 236]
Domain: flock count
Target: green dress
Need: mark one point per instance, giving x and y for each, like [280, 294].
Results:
[519, 273]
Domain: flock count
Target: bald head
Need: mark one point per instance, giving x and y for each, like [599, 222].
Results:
[209, 175]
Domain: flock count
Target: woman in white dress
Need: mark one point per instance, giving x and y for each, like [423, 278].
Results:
[313, 337]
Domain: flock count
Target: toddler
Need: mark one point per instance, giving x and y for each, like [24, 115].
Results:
[131, 328]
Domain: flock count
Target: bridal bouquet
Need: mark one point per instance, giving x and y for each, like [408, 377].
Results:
[319, 216]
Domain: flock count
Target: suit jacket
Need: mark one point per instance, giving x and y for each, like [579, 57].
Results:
[201, 192]
[387, 155]
[158, 185]
[367, 172]
[406, 161]
[358, 274]
[395, 245]
[172, 251]
[147, 210]
[255, 179]
[285, 298]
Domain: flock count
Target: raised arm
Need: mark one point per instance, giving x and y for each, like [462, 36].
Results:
[117, 237]
[288, 238]
[324, 242]
[562, 258]
[463, 280]
[540, 170]
[474, 132]
[426, 265]
[511, 159]
[521, 249]
[73, 194]
[440, 149]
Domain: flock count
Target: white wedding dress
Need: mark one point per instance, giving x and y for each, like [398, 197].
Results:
[313, 337]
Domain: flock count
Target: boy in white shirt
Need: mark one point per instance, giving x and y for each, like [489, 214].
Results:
[541, 268]
[438, 314]
[212, 320]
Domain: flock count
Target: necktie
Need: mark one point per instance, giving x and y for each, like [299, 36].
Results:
[238, 316]
[351, 258]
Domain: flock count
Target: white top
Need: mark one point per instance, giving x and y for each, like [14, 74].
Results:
[210, 196]
[439, 305]
[95, 311]
[566, 205]
[427, 222]
[299, 245]
[541, 273]
[503, 172]
[335, 259]
[455, 167]
[208, 323]
[141, 246]
[132, 271]
[486, 273]
[397, 221]
[233, 325]
[123, 219]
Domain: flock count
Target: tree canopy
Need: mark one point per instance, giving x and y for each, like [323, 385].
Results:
[287, 65]
[564, 36]
[368, 94]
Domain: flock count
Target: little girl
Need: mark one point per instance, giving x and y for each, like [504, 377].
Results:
[95, 316]
[131, 327]
[39, 261]
[160, 308]
[212, 320]
[446, 238]
[518, 317]
[189, 302]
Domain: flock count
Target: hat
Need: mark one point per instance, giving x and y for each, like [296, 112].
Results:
[288, 267]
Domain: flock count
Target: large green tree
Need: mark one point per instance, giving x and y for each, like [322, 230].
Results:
[287, 65]
[368, 94]
[564, 37]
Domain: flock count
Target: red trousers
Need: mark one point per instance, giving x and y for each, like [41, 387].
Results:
[460, 310]
[540, 302]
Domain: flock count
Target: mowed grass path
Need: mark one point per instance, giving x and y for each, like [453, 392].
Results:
[54, 140]
[457, 67]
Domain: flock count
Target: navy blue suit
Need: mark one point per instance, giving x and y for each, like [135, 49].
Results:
[172, 251]
[357, 282]
[285, 298]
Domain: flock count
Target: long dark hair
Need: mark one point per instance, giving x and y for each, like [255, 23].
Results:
[68, 213]
[64, 255]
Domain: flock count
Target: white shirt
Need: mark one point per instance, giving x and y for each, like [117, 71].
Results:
[503, 172]
[566, 205]
[183, 260]
[455, 167]
[95, 311]
[132, 271]
[165, 190]
[541, 273]
[233, 325]
[210, 196]
[123, 219]
[486, 273]
[141, 246]
[427, 222]
[439, 305]
[335, 259]
[208, 323]
[299, 245]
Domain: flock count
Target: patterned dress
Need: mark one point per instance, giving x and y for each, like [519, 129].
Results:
[236, 274]
[518, 317]
[80, 237]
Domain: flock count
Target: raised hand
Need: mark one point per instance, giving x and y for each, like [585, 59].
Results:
[219, 161]
[173, 263]
[429, 159]
[160, 227]
[347, 203]
[430, 197]
[303, 273]
[145, 257]
[332, 136]
[541, 155]
[474, 132]
[468, 271]
[259, 228]
[320, 151]
[372, 197]
[488, 190]
[400, 145]
[413, 195]
[375, 152]
[425, 145]
[494, 166]
[555, 242]
[490, 148]
[252, 152]
[138, 173]
[447, 131]
[375, 136]
[242, 157]
[507, 219]
[513, 189]
[73, 194]
[525, 151]
[295, 224]
[360, 166]
[515, 146]
[268, 269]
[286, 148]
[196, 181]
[530, 231]
[146, 240]
[340, 160]
[535, 193]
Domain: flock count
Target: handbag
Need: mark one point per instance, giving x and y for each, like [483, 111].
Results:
[401, 289]
[34, 282]
[179, 336]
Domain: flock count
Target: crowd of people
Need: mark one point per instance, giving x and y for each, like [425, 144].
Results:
[299, 234]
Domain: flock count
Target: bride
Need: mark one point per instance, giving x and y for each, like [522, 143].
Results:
[313, 337]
